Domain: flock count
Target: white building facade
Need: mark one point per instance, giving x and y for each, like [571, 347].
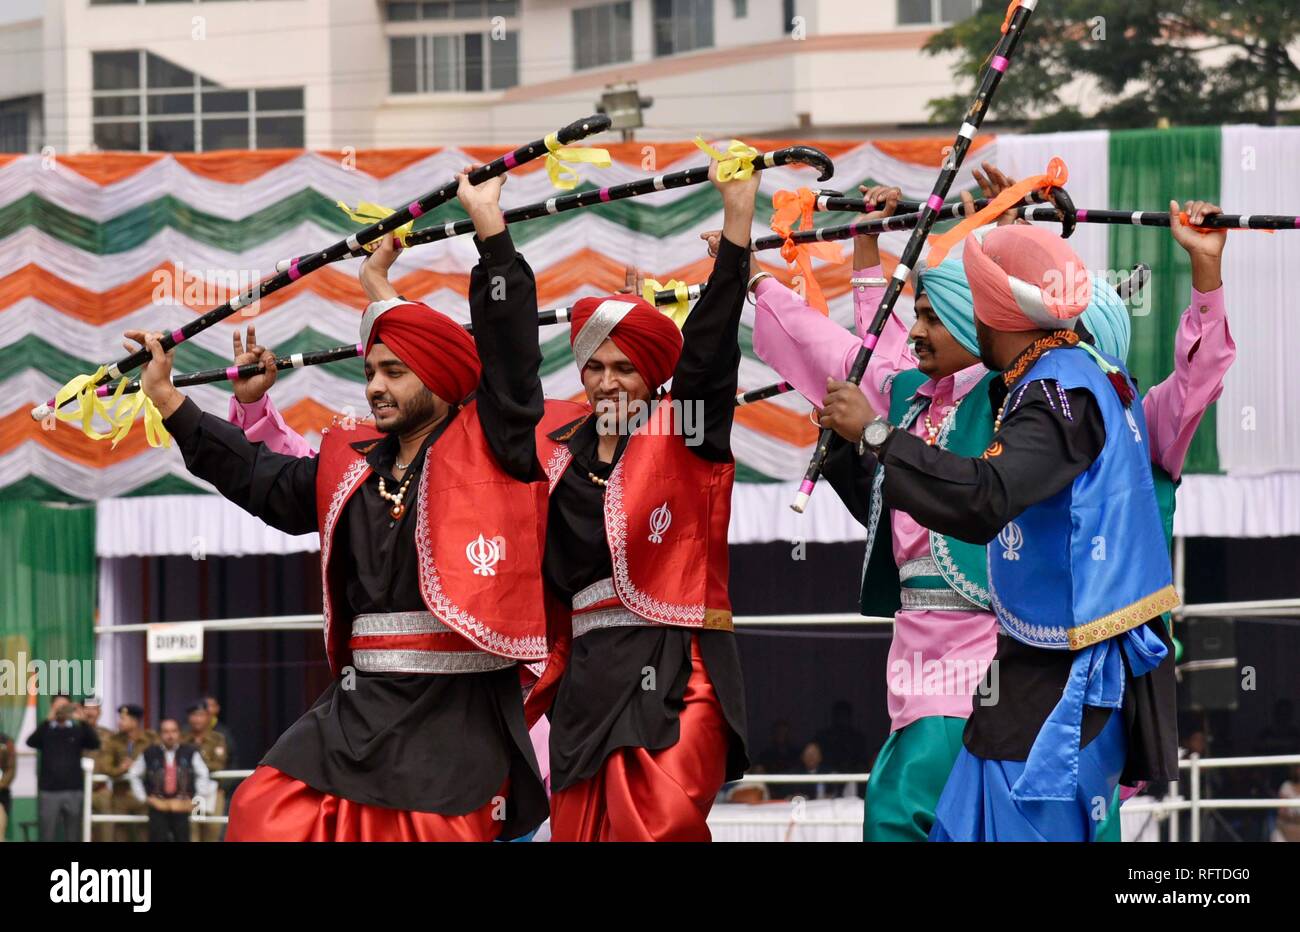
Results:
[204, 75]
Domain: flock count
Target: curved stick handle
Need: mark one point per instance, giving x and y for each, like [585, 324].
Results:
[806, 155]
[1069, 216]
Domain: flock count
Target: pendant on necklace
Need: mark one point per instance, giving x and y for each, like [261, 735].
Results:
[397, 510]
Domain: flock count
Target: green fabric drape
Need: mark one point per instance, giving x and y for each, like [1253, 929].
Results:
[1147, 169]
[135, 227]
[47, 597]
[35, 352]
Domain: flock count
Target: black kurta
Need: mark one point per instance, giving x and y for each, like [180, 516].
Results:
[600, 705]
[443, 743]
[1045, 444]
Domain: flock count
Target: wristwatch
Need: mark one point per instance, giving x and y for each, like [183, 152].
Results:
[874, 435]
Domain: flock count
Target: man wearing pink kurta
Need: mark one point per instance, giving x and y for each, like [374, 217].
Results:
[806, 348]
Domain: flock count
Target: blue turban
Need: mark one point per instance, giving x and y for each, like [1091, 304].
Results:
[1106, 318]
[949, 293]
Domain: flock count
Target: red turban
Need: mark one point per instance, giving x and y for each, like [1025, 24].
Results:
[646, 336]
[437, 349]
[1025, 278]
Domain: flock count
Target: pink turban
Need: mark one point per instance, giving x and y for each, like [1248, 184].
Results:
[1025, 278]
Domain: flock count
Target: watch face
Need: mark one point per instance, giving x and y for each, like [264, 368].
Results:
[875, 433]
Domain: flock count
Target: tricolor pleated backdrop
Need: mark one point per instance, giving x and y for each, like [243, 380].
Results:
[94, 245]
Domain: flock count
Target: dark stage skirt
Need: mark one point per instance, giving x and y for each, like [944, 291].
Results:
[399, 756]
[636, 764]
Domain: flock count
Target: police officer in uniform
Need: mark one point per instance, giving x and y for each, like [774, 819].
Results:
[124, 747]
[216, 755]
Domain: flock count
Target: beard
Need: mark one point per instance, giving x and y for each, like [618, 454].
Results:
[984, 336]
[417, 411]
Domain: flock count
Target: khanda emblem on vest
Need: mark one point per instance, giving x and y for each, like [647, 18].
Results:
[483, 555]
[1012, 540]
[660, 519]
[1133, 425]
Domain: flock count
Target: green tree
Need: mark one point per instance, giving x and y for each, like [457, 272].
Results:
[1183, 61]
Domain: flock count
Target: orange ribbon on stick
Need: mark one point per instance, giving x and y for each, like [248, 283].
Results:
[1056, 175]
[791, 208]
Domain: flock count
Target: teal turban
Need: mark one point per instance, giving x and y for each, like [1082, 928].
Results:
[950, 296]
[1106, 318]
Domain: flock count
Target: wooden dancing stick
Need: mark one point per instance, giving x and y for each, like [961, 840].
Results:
[1012, 29]
[555, 315]
[793, 155]
[1127, 290]
[308, 264]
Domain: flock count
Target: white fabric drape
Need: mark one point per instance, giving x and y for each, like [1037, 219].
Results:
[195, 525]
[163, 525]
[189, 525]
[1259, 412]
[122, 654]
[1239, 506]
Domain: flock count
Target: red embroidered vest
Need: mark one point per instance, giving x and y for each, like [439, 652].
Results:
[479, 536]
[666, 517]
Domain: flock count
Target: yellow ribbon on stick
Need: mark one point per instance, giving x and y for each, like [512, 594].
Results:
[678, 311]
[559, 158]
[367, 213]
[125, 410]
[737, 163]
[82, 389]
[119, 412]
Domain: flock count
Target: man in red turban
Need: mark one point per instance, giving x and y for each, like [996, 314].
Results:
[430, 558]
[643, 683]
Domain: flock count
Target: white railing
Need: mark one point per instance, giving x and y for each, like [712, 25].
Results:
[88, 817]
[1162, 809]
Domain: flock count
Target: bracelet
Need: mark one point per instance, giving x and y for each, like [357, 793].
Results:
[753, 281]
[872, 282]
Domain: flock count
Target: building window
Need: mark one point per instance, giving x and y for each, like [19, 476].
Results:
[20, 124]
[682, 25]
[410, 12]
[144, 103]
[934, 12]
[602, 35]
[449, 62]
[741, 8]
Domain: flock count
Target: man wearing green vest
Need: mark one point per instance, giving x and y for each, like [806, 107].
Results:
[944, 634]
[934, 585]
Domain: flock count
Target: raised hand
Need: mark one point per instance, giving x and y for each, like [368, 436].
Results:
[482, 202]
[866, 249]
[633, 281]
[737, 205]
[374, 270]
[992, 182]
[877, 193]
[254, 387]
[156, 376]
[1204, 249]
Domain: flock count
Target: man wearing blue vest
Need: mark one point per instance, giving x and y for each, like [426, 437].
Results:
[1078, 569]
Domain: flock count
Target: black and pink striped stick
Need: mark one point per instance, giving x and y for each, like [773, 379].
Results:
[1012, 29]
[792, 155]
[1126, 290]
[555, 315]
[305, 265]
